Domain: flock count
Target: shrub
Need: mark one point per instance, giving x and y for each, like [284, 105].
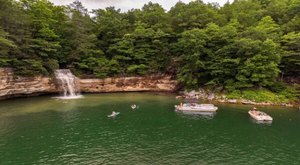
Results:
[236, 94]
[264, 95]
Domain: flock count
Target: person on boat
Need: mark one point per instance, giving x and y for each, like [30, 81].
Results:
[254, 111]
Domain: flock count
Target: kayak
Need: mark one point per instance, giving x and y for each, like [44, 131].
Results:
[117, 113]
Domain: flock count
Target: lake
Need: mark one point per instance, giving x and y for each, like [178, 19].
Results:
[45, 130]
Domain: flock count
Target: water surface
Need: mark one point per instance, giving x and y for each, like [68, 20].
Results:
[44, 130]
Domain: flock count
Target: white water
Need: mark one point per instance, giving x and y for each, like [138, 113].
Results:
[67, 82]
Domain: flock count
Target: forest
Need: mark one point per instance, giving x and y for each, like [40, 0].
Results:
[246, 44]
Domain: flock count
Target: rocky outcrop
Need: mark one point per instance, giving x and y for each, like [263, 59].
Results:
[206, 95]
[128, 84]
[16, 86]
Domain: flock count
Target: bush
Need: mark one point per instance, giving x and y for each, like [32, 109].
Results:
[51, 65]
[289, 93]
[278, 87]
[264, 95]
[29, 67]
[260, 95]
[137, 69]
[236, 94]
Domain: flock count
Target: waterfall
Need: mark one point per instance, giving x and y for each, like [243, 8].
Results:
[67, 83]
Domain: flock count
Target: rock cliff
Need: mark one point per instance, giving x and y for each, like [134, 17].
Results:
[16, 86]
[128, 84]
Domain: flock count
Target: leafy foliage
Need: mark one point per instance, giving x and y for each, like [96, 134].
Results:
[263, 95]
[242, 45]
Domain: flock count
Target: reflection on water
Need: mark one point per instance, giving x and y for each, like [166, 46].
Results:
[43, 130]
[24, 106]
[68, 97]
[260, 121]
[197, 115]
[45, 104]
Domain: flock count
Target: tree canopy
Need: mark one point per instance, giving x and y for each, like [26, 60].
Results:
[244, 44]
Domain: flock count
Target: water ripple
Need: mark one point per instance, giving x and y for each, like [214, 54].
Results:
[79, 132]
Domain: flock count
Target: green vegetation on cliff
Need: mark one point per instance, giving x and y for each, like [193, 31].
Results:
[248, 44]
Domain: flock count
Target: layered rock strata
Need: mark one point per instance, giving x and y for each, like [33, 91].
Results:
[16, 86]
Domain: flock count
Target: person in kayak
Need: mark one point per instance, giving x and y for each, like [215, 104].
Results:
[113, 113]
[133, 106]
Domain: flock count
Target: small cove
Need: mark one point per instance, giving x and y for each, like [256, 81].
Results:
[44, 130]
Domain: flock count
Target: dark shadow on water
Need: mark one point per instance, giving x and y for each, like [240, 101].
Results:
[197, 115]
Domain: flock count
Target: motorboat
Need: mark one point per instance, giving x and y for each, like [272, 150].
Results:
[196, 108]
[260, 116]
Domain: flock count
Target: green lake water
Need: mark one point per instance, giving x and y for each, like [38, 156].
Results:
[45, 130]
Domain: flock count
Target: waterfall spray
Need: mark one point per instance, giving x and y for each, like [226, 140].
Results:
[67, 82]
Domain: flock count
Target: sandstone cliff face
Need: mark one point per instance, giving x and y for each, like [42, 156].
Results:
[15, 86]
[154, 83]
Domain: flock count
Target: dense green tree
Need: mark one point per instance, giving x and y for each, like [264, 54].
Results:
[154, 15]
[195, 14]
[238, 45]
[82, 44]
[61, 27]
[223, 58]
[260, 68]
[16, 27]
[266, 28]
[143, 51]
[45, 43]
[110, 25]
[5, 46]
[192, 47]
[291, 56]
[247, 12]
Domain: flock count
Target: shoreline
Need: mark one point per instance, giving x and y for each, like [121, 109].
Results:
[238, 102]
[202, 95]
[12, 86]
[226, 101]
[249, 102]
